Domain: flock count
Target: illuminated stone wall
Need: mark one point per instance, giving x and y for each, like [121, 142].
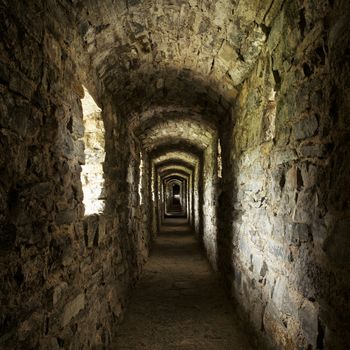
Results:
[285, 257]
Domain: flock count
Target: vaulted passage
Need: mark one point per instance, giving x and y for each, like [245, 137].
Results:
[174, 174]
[179, 303]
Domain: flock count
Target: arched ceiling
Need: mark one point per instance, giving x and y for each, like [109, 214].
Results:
[177, 131]
[181, 158]
[164, 52]
[175, 164]
[175, 174]
[173, 180]
[173, 68]
[185, 172]
[175, 167]
[151, 118]
[172, 148]
[177, 179]
[184, 166]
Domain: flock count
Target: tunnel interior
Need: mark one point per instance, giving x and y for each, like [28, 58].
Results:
[176, 194]
[230, 116]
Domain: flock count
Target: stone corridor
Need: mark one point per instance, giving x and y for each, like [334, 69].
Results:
[119, 118]
[179, 302]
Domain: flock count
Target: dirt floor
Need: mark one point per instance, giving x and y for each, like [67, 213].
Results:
[179, 302]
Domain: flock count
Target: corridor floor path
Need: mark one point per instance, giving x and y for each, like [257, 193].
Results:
[179, 302]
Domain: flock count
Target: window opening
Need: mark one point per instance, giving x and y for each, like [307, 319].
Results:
[140, 179]
[152, 185]
[94, 153]
[219, 160]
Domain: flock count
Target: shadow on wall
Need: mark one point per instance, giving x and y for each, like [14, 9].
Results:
[226, 214]
[64, 274]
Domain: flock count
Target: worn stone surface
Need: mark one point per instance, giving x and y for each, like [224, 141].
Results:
[64, 277]
[179, 303]
[267, 79]
[72, 309]
[281, 210]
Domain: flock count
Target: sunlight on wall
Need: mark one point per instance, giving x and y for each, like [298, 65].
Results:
[152, 185]
[219, 160]
[270, 116]
[140, 179]
[92, 171]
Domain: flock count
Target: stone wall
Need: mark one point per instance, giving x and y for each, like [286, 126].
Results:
[280, 232]
[286, 168]
[64, 277]
[139, 222]
[209, 209]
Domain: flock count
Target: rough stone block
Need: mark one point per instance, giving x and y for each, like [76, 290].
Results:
[305, 128]
[8, 233]
[277, 250]
[310, 173]
[4, 73]
[284, 156]
[305, 204]
[281, 296]
[77, 126]
[17, 118]
[273, 324]
[337, 245]
[65, 217]
[30, 326]
[298, 233]
[308, 316]
[314, 150]
[102, 232]
[227, 53]
[42, 190]
[22, 85]
[49, 343]
[72, 308]
[91, 230]
[57, 292]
